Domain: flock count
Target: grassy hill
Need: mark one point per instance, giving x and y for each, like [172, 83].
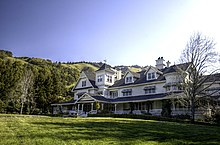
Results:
[66, 67]
[80, 66]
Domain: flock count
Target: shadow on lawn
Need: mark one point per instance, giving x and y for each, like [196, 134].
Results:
[126, 131]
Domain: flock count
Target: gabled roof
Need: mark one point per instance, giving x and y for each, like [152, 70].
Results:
[140, 80]
[142, 75]
[154, 68]
[94, 97]
[174, 68]
[134, 74]
[213, 77]
[105, 67]
[90, 74]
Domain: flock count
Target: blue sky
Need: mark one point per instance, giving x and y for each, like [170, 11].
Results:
[125, 32]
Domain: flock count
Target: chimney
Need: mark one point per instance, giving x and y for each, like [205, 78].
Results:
[118, 74]
[168, 63]
[160, 63]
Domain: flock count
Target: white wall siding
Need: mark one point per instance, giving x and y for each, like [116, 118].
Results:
[139, 90]
[79, 84]
[104, 81]
[172, 78]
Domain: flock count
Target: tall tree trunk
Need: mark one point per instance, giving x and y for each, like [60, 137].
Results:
[193, 109]
[22, 105]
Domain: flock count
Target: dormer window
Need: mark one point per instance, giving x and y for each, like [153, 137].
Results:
[128, 79]
[109, 78]
[83, 83]
[151, 76]
[100, 78]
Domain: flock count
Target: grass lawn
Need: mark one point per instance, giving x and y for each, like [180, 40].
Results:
[57, 131]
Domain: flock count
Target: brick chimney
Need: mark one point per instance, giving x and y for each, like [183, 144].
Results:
[160, 63]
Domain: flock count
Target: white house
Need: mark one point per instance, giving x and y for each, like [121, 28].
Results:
[134, 92]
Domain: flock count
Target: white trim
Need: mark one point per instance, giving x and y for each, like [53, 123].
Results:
[83, 96]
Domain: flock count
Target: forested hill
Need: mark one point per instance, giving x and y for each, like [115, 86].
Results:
[30, 85]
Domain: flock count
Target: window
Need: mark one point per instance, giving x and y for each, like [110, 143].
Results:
[109, 78]
[168, 88]
[150, 89]
[100, 92]
[113, 94]
[100, 78]
[83, 83]
[127, 92]
[151, 76]
[128, 79]
[175, 88]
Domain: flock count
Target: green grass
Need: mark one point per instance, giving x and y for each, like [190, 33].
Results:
[134, 69]
[80, 66]
[57, 131]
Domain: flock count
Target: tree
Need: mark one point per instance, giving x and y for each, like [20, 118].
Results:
[10, 73]
[166, 108]
[25, 85]
[200, 54]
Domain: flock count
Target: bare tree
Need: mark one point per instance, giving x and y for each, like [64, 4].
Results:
[25, 85]
[200, 54]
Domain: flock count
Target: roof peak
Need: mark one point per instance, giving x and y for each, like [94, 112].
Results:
[104, 67]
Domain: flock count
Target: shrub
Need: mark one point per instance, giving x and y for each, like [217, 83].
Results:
[181, 116]
[216, 117]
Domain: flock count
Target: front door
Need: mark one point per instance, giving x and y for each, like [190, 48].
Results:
[87, 107]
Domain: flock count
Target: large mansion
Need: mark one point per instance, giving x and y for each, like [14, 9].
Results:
[108, 90]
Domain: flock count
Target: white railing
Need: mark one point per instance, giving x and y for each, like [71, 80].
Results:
[92, 112]
[155, 112]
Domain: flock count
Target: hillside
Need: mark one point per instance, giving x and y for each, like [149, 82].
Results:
[31, 85]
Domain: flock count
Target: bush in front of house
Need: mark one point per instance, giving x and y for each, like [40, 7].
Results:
[181, 116]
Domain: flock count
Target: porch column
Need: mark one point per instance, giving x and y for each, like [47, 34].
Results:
[174, 106]
[82, 106]
[78, 107]
[115, 108]
[102, 106]
[91, 106]
[141, 106]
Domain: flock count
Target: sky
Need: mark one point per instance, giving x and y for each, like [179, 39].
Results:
[123, 32]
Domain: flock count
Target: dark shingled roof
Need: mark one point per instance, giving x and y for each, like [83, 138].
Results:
[142, 79]
[101, 98]
[90, 75]
[121, 99]
[130, 99]
[213, 77]
[138, 98]
[173, 68]
[105, 67]
[142, 76]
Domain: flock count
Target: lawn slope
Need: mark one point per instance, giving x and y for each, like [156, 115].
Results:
[57, 131]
